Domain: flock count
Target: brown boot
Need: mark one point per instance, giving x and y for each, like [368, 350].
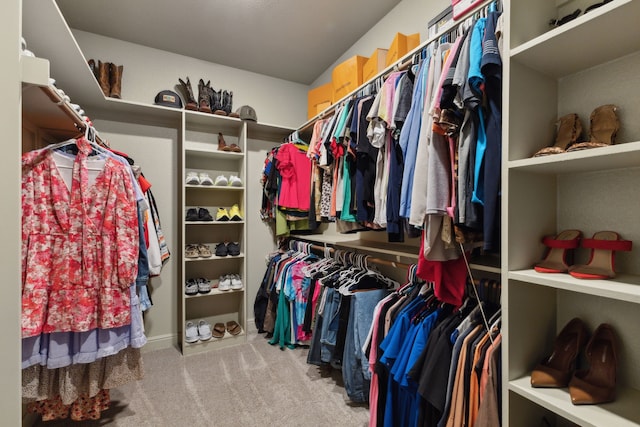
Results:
[204, 102]
[222, 144]
[93, 68]
[115, 79]
[187, 91]
[103, 77]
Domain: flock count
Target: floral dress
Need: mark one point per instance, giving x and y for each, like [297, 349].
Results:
[79, 245]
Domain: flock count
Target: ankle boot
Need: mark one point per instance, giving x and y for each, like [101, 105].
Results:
[222, 144]
[103, 77]
[187, 92]
[204, 102]
[115, 80]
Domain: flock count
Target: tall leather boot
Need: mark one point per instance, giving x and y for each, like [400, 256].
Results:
[216, 102]
[187, 92]
[93, 68]
[204, 102]
[115, 79]
[103, 77]
[227, 101]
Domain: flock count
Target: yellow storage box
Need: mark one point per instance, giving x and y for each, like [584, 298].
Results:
[376, 63]
[319, 98]
[347, 76]
[400, 46]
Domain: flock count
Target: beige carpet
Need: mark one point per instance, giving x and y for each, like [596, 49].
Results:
[253, 384]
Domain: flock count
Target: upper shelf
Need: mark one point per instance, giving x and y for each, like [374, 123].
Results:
[606, 33]
[594, 159]
[48, 36]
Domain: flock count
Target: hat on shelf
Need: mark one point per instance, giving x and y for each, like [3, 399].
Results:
[247, 113]
[168, 98]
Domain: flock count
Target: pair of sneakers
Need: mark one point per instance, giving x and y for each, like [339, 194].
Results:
[197, 286]
[232, 181]
[199, 214]
[227, 248]
[232, 214]
[200, 331]
[198, 178]
[230, 282]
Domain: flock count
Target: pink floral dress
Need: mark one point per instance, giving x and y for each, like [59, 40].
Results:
[79, 246]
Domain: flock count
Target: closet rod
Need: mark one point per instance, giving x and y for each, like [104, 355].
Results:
[370, 260]
[402, 62]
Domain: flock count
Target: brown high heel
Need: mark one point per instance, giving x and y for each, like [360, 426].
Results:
[556, 369]
[569, 130]
[598, 383]
[603, 130]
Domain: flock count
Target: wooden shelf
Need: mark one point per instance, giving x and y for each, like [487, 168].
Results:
[621, 413]
[214, 292]
[214, 187]
[582, 43]
[215, 258]
[213, 222]
[623, 287]
[613, 157]
[210, 150]
[267, 132]
[214, 343]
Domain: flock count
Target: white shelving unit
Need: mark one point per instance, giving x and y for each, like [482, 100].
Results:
[590, 61]
[200, 154]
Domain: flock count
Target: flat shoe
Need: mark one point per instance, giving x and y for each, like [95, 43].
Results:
[218, 330]
[233, 327]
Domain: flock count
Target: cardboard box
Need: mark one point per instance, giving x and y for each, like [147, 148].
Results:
[347, 76]
[400, 46]
[319, 98]
[376, 63]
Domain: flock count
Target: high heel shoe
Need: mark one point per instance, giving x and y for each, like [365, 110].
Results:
[555, 370]
[569, 129]
[555, 260]
[604, 126]
[598, 383]
[603, 245]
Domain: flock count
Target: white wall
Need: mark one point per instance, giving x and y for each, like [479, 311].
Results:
[148, 71]
[408, 17]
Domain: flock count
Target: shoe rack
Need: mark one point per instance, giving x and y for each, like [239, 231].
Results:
[549, 72]
[200, 153]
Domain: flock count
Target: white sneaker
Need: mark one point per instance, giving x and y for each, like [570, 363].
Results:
[205, 179]
[191, 332]
[221, 180]
[234, 181]
[236, 282]
[193, 179]
[224, 284]
[204, 330]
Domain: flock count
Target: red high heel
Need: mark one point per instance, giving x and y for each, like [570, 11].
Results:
[603, 245]
[555, 260]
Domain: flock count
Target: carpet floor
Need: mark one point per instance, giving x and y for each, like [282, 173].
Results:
[252, 384]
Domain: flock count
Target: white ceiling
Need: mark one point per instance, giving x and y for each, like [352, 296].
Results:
[295, 40]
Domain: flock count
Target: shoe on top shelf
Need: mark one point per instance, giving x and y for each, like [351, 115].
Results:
[235, 181]
[205, 179]
[234, 213]
[221, 181]
[204, 215]
[192, 178]
[233, 248]
[192, 215]
[221, 249]
[222, 215]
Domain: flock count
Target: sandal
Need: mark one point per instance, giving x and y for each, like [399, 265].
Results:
[603, 245]
[191, 251]
[218, 330]
[555, 370]
[604, 128]
[204, 251]
[569, 129]
[555, 260]
[598, 383]
[233, 327]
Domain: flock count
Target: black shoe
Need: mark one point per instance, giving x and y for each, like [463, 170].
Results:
[204, 215]
[221, 249]
[192, 215]
[227, 101]
[233, 248]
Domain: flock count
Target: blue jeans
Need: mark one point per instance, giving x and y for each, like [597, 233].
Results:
[330, 323]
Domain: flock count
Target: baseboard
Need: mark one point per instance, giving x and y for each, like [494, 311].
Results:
[160, 342]
[251, 326]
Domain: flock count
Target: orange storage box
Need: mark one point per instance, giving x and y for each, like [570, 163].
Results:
[376, 63]
[347, 76]
[400, 46]
[319, 98]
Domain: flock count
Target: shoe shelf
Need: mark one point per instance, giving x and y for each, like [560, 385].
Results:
[579, 44]
[213, 222]
[214, 187]
[624, 287]
[214, 343]
[214, 292]
[621, 413]
[210, 149]
[215, 258]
